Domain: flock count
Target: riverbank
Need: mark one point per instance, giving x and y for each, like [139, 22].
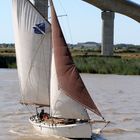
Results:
[7, 61]
[90, 62]
[107, 65]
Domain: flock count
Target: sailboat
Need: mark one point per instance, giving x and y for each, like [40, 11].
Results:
[48, 76]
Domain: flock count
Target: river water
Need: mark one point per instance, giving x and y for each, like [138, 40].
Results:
[117, 97]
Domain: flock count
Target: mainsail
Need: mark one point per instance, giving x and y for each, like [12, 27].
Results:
[33, 52]
[69, 81]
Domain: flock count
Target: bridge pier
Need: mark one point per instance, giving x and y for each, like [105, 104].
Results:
[42, 6]
[107, 33]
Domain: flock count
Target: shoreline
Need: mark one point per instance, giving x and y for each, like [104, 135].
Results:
[91, 64]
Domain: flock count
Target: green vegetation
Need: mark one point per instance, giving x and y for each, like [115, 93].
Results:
[107, 65]
[7, 57]
[7, 61]
[126, 60]
[7, 51]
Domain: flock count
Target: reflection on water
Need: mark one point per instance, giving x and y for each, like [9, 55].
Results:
[117, 97]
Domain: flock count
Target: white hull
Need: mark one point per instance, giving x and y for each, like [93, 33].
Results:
[77, 130]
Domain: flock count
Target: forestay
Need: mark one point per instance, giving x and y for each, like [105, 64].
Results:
[33, 52]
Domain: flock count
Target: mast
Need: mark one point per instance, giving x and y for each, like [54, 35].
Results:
[42, 6]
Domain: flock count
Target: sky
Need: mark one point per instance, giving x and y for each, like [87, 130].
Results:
[83, 23]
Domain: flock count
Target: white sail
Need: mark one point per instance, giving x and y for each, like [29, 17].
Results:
[33, 51]
[63, 106]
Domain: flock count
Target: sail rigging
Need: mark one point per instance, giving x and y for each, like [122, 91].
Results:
[69, 80]
[47, 73]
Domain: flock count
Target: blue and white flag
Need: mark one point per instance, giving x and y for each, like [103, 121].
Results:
[39, 28]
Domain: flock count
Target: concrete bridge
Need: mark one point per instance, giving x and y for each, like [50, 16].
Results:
[108, 7]
[125, 7]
